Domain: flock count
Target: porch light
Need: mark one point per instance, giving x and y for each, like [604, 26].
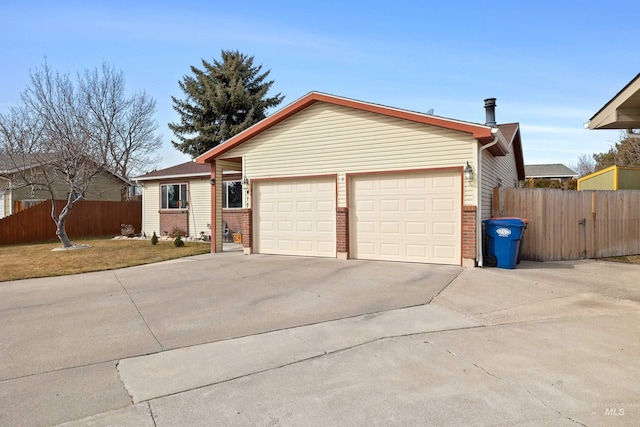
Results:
[468, 172]
[245, 183]
[212, 181]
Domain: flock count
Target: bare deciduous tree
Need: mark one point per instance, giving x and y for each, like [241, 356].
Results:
[65, 133]
[585, 165]
[123, 126]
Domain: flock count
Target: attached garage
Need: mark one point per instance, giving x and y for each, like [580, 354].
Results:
[334, 177]
[295, 217]
[414, 217]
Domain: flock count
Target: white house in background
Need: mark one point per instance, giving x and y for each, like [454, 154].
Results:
[180, 197]
[334, 177]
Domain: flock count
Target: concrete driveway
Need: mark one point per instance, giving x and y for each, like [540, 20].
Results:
[234, 340]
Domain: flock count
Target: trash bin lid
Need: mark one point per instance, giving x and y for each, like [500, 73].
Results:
[506, 222]
[525, 220]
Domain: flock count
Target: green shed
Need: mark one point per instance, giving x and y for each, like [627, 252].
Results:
[612, 178]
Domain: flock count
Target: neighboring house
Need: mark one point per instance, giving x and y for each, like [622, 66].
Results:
[334, 177]
[612, 178]
[553, 172]
[180, 197]
[622, 111]
[14, 197]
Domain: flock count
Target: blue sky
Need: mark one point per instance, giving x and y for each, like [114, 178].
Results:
[550, 64]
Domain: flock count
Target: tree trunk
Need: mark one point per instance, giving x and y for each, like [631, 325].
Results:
[60, 220]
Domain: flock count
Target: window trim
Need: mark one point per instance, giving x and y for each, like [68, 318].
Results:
[184, 197]
[225, 194]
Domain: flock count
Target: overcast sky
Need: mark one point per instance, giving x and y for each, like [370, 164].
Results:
[550, 64]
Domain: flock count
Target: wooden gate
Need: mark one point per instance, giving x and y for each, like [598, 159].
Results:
[567, 225]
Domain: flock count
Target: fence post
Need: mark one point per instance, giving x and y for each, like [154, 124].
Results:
[496, 203]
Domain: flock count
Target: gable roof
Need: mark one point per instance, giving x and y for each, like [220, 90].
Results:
[622, 111]
[483, 133]
[511, 132]
[183, 170]
[553, 170]
[8, 167]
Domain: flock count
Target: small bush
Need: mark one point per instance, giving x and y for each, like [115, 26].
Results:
[177, 231]
[154, 239]
[178, 242]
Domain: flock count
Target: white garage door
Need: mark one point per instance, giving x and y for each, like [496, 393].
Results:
[296, 217]
[413, 217]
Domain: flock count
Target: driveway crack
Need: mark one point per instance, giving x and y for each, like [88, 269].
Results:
[511, 383]
[153, 418]
[139, 313]
[305, 341]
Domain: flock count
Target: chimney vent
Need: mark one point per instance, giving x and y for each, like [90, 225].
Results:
[490, 109]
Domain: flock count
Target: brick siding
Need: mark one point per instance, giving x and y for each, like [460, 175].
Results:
[469, 232]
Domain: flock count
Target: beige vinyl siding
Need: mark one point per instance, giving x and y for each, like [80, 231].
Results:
[199, 207]
[494, 170]
[151, 208]
[328, 139]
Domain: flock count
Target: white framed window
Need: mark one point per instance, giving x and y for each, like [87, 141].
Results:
[173, 196]
[231, 194]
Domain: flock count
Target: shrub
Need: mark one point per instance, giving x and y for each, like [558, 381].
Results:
[177, 231]
[154, 239]
[178, 242]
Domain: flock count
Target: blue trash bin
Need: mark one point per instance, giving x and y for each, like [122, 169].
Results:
[503, 240]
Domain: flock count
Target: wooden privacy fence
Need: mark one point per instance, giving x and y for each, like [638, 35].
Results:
[87, 219]
[568, 225]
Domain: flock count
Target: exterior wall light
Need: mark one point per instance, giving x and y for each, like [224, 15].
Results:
[212, 181]
[468, 172]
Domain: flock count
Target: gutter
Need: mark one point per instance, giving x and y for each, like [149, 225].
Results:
[497, 138]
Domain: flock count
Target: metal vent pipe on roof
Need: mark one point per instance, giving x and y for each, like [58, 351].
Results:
[490, 109]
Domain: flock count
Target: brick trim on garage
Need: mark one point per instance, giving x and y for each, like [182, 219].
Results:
[469, 214]
[247, 229]
[342, 232]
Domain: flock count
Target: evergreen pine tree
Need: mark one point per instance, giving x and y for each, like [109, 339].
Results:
[222, 99]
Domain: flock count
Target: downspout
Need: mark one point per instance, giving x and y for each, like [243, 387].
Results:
[496, 139]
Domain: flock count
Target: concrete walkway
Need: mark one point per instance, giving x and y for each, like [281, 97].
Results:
[234, 340]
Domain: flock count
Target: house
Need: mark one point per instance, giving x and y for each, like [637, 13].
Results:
[621, 112]
[180, 197]
[14, 197]
[612, 178]
[553, 172]
[329, 176]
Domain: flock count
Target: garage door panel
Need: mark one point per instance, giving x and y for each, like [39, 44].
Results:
[407, 217]
[295, 217]
[327, 206]
[417, 251]
[415, 205]
[445, 182]
[444, 205]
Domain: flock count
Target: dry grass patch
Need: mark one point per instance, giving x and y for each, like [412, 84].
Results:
[629, 259]
[31, 261]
